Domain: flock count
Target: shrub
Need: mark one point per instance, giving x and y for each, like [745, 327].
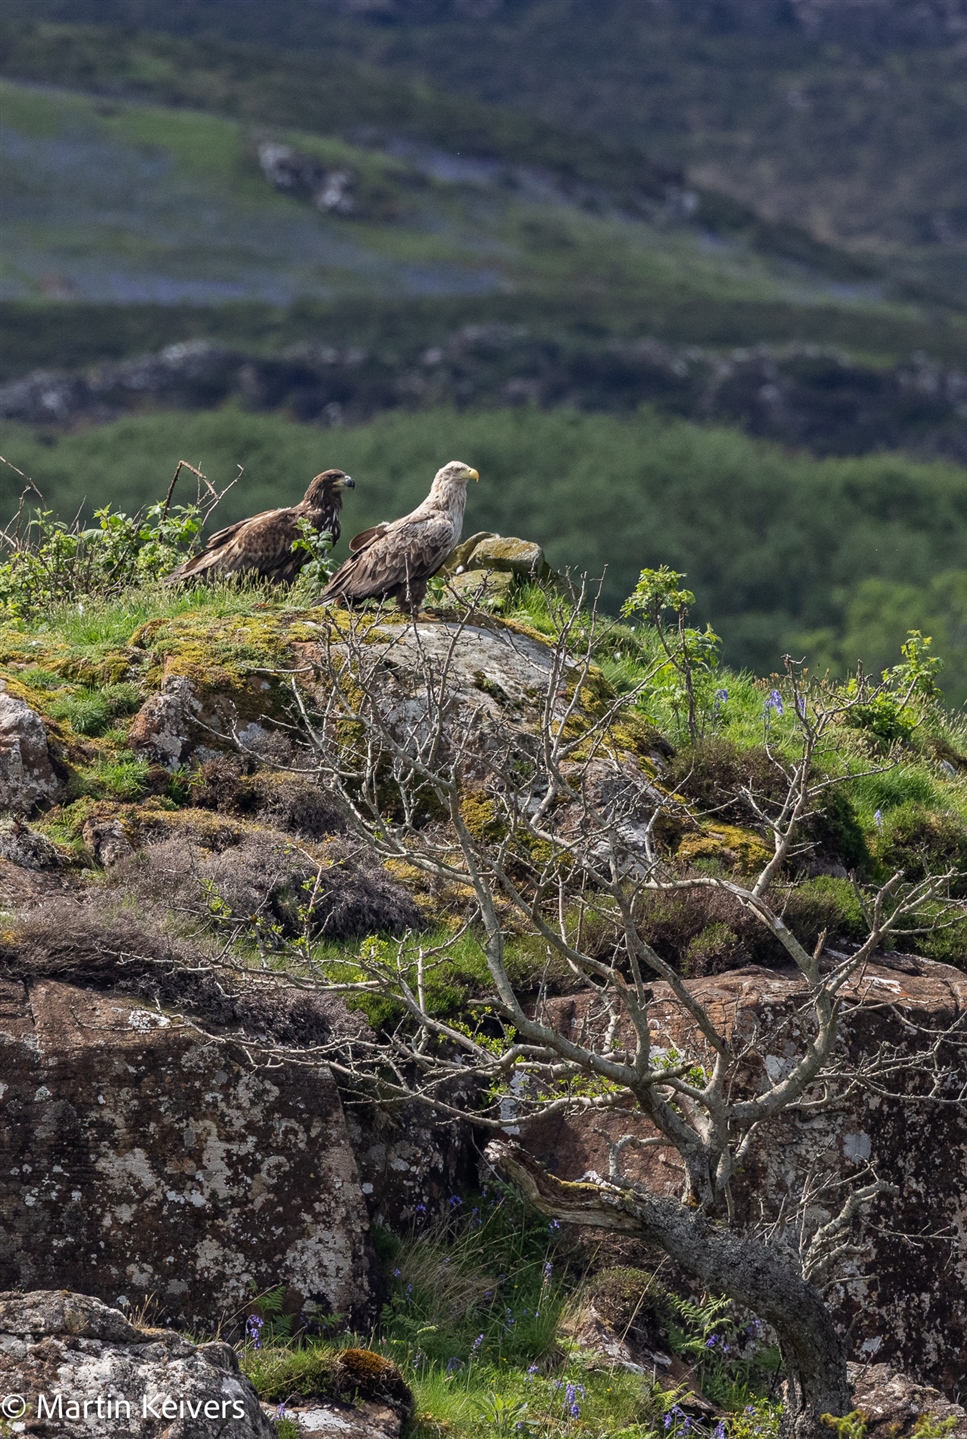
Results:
[50, 562]
[921, 840]
[713, 771]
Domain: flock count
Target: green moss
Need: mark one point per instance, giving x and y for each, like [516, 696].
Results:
[480, 814]
[735, 847]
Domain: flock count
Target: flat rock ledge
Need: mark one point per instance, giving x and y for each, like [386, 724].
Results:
[79, 1368]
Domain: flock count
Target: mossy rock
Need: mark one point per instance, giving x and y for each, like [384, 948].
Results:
[364, 1374]
[457, 559]
[735, 847]
[522, 558]
[488, 589]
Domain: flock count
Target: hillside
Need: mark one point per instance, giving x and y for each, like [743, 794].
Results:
[200, 876]
[845, 120]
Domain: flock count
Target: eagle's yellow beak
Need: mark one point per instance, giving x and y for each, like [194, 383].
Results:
[472, 475]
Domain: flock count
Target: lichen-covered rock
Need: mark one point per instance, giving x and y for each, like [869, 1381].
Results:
[456, 561]
[486, 568]
[107, 839]
[80, 1368]
[139, 1156]
[894, 1404]
[903, 1299]
[495, 678]
[28, 848]
[409, 1162]
[27, 777]
[339, 1421]
[485, 588]
[521, 558]
[160, 730]
[185, 720]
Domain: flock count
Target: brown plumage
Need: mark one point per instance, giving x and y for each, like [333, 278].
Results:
[262, 545]
[394, 561]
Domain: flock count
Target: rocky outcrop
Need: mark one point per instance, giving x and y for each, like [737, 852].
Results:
[486, 568]
[198, 718]
[895, 1406]
[802, 395]
[292, 172]
[80, 1368]
[902, 1291]
[27, 776]
[162, 727]
[140, 1156]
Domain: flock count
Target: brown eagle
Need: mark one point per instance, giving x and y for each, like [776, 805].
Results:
[262, 545]
[394, 561]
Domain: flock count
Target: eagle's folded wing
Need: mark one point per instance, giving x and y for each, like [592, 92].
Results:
[366, 537]
[407, 551]
[262, 543]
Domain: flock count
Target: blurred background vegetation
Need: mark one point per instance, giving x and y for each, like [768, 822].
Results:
[687, 283]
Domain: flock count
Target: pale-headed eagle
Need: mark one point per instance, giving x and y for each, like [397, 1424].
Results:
[262, 545]
[394, 561]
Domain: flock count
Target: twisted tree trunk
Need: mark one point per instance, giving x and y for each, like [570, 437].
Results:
[728, 1262]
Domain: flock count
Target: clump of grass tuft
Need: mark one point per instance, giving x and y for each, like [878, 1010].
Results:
[125, 779]
[90, 711]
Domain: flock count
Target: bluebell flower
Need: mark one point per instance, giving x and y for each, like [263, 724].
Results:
[878, 819]
[476, 1344]
[254, 1326]
[774, 702]
[455, 1200]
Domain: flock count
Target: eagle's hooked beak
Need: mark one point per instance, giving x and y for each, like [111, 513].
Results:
[472, 475]
[347, 483]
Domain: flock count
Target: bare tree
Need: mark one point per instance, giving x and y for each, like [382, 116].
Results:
[519, 790]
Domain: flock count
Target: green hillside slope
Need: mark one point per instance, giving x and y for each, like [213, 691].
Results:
[860, 138]
[127, 201]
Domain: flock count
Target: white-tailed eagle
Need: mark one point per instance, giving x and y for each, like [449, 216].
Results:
[394, 561]
[262, 545]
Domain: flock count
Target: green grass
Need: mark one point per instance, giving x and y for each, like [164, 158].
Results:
[476, 1302]
[777, 547]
